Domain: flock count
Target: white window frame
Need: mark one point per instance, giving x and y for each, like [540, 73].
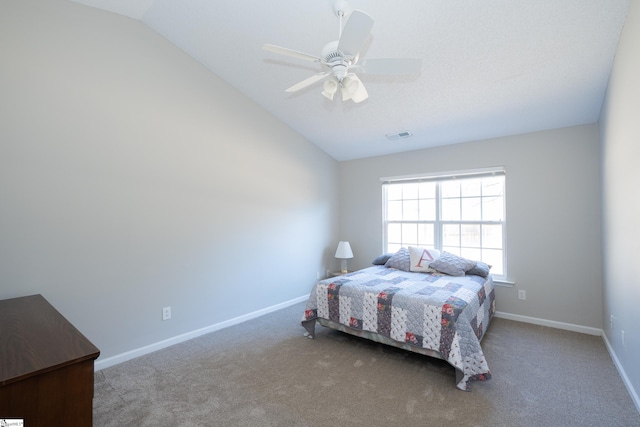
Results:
[438, 223]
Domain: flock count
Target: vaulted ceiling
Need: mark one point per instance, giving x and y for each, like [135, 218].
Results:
[488, 68]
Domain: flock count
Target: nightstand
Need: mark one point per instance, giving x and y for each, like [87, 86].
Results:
[338, 273]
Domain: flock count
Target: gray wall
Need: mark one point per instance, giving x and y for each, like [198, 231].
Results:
[553, 215]
[131, 178]
[620, 133]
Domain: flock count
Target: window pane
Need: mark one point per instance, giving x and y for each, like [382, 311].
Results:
[394, 233]
[451, 235]
[427, 190]
[409, 234]
[410, 191]
[452, 250]
[471, 187]
[426, 235]
[470, 235]
[427, 210]
[410, 210]
[450, 188]
[471, 209]
[492, 236]
[451, 209]
[492, 208]
[394, 210]
[393, 248]
[494, 259]
[493, 186]
[394, 192]
[470, 253]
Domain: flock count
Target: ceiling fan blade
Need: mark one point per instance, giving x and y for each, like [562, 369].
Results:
[390, 65]
[291, 52]
[355, 33]
[308, 82]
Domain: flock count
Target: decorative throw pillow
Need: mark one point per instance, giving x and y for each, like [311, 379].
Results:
[400, 260]
[421, 257]
[382, 259]
[480, 269]
[453, 265]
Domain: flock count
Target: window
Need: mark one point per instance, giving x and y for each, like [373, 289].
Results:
[461, 213]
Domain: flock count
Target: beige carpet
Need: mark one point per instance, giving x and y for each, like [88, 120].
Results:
[265, 373]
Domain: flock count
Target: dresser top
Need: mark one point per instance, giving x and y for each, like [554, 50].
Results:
[36, 338]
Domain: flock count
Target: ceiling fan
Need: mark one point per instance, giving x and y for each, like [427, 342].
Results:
[341, 58]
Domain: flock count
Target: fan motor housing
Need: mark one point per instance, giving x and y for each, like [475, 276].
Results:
[330, 52]
[334, 59]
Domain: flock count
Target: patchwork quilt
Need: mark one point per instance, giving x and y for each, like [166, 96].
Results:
[437, 312]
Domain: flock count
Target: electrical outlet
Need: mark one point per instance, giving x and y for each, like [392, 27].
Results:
[166, 313]
[522, 294]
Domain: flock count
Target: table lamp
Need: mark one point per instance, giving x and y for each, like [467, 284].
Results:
[344, 252]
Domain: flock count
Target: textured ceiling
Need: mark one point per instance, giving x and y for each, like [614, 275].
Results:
[489, 68]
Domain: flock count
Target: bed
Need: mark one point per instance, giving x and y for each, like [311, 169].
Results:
[427, 311]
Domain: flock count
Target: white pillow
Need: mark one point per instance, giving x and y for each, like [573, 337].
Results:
[421, 258]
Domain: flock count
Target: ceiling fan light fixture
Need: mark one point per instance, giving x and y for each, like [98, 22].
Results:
[339, 71]
[351, 83]
[353, 89]
[349, 87]
[330, 87]
[360, 95]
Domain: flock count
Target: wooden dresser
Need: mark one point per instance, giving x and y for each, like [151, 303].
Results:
[46, 366]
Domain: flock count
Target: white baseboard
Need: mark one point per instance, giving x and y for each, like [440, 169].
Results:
[623, 374]
[123, 357]
[550, 323]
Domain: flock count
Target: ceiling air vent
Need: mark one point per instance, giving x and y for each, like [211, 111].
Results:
[400, 135]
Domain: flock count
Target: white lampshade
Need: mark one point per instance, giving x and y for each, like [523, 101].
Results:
[349, 87]
[344, 250]
[330, 88]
